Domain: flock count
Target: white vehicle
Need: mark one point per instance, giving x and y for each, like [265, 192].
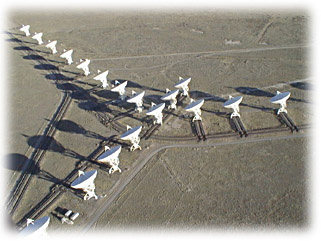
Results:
[52, 46]
[172, 97]
[183, 84]
[195, 107]
[156, 111]
[36, 228]
[25, 29]
[67, 55]
[111, 157]
[121, 89]
[84, 66]
[132, 135]
[103, 78]
[137, 99]
[233, 103]
[38, 37]
[281, 98]
[85, 181]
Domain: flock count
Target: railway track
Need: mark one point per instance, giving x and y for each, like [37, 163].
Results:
[58, 189]
[40, 149]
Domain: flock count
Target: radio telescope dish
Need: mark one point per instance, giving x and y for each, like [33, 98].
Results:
[38, 37]
[67, 55]
[171, 96]
[281, 98]
[103, 78]
[85, 181]
[25, 29]
[110, 156]
[121, 90]
[132, 135]
[234, 103]
[183, 84]
[36, 228]
[84, 66]
[156, 111]
[195, 107]
[138, 100]
[52, 46]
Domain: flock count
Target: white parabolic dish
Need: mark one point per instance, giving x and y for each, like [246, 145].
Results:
[101, 76]
[195, 105]
[112, 153]
[119, 87]
[67, 53]
[170, 95]
[131, 133]
[183, 82]
[155, 109]
[51, 44]
[37, 228]
[84, 180]
[280, 97]
[136, 98]
[83, 64]
[233, 102]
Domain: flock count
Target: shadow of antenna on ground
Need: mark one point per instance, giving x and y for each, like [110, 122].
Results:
[302, 85]
[148, 99]
[58, 77]
[48, 143]
[196, 94]
[253, 91]
[17, 162]
[131, 84]
[46, 67]
[34, 57]
[14, 161]
[72, 127]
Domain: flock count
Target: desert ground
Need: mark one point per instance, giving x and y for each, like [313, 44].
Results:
[259, 181]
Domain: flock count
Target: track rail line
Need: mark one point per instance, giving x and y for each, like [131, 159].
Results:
[37, 155]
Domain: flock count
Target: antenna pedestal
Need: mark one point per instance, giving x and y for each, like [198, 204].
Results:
[135, 144]
[139, 108]
[114, 165]
[159, 119]
[69, 60]
[173, 103]
[282, 108]
[235, 112]
[90, 192]
[185, 91]
[197, 115]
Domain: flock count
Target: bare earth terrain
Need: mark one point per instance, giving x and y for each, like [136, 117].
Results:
[255, 181]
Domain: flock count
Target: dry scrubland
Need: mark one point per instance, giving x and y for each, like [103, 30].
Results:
[240, 53]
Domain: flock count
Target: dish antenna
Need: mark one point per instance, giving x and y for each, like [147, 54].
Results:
[137, 99]
[281, 98]
[183, 84]
[110, 156]
[67, 55]
[85, 181]
[132, 135]
[52, 46]
[120, 89]
[171, 96]
[36, 228]
[103, 78]
[38, 37]
[25, 29]
[84, 66]
[156, 111]
[195, 107]
[234, 103]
